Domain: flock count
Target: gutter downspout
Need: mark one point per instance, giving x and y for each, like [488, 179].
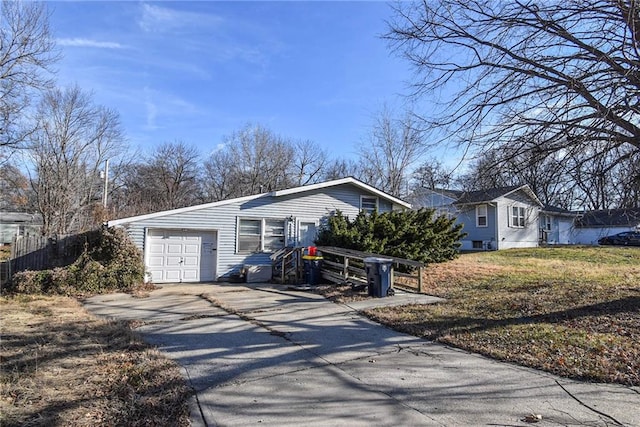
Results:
[497, 231]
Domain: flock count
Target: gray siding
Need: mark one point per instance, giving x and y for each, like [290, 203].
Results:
[312, 205]
[467, 217]
[590, 235]
[515, 237]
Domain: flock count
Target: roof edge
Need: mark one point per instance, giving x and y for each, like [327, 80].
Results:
[347, 180]
[277, 193]
[160, 214]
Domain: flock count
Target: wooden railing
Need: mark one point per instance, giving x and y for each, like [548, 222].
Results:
[347, 265]
[287, 266]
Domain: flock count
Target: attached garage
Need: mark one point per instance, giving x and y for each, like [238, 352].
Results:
[216, 241]
[173, 256]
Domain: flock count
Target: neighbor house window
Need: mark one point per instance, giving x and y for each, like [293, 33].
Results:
[369, 204]
[257, 235]
[476, 244]
[517, 216]
[481, 215]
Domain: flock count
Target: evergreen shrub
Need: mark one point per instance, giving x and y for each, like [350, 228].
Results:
[413, 234]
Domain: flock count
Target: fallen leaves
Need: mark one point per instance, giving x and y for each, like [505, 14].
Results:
[571, 311]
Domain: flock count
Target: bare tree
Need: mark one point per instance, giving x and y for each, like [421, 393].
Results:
[221, 178]
[73, 139]
[563, 74]
[393, 147]
[15, 189]
[27, 52]
[252, 160]
[341, 168]
[547, 177]
[607, 180]
[167, 179]
[431, 174]
[309, 162]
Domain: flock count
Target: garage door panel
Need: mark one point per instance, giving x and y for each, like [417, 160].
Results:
[156, 248]
[172, 275]
[190, 276]
[156, 275]
[173, 261]
[191, 249]
[174, 248]
[156, 261]
[191, 261]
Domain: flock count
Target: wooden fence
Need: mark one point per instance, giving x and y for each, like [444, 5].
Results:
[41, 253]
[347, 265]
[4, 272]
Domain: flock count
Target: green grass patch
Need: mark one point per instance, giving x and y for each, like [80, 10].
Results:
[573, 311]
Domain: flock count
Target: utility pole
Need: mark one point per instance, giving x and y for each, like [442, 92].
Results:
[106, 183]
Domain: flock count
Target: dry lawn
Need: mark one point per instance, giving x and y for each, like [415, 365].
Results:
[573, 311]
[5, 253]
[62, 366]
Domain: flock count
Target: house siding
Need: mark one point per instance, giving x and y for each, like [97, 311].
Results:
[313, 205]
[499, 234]
[515, 237]
[590, 235]
[467, 217]
[561, 229]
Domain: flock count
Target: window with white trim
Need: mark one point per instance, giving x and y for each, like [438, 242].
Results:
[517, 216]
[249, 235]
[481, 216]
[260, 235]
[273, 235]
[369, 204]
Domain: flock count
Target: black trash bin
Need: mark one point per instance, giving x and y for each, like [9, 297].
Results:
[312, 269]
[378, 276]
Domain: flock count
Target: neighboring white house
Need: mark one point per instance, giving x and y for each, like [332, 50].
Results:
[556, 226]
[497, 218]
[500, 218]
[592, 225]
[214, 240]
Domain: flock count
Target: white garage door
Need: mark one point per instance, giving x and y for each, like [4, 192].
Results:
[181, 256]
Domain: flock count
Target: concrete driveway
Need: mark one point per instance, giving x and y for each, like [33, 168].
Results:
[272, 356]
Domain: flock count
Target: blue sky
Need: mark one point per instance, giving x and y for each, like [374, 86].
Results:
[196, 71]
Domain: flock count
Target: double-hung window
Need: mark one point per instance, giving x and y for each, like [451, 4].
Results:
[260, 235]
[249, 235]
[369, 204]
[481, 216]
[517, 216]
[273, 235]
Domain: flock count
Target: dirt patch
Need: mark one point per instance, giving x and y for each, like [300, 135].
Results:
[342, 294]
[62, 366]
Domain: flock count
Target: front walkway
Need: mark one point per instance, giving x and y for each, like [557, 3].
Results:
[272, 356]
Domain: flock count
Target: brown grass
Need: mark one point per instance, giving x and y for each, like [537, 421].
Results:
[571, 311]
[5, 253]
[341, 294]
[62, 366]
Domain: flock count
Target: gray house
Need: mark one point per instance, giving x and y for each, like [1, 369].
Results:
[592, 225]
[497, 218]
[14, 224]
[556, 226]
[214, 240]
